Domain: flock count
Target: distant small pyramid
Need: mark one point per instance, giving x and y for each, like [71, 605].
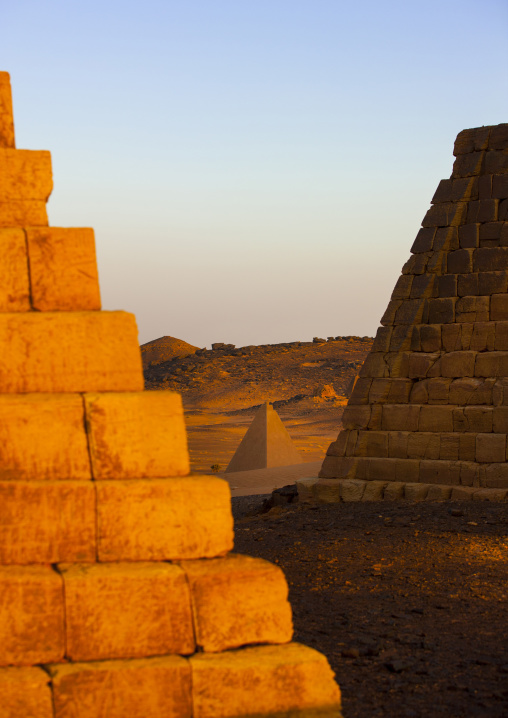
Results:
[266, 444]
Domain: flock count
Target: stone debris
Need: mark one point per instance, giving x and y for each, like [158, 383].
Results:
[119, 594]
[430, 404]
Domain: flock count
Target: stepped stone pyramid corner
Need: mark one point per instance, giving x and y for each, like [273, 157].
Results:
[428, 415]
[119, 594]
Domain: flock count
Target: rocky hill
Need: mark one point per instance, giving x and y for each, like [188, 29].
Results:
[299, 377]
[164, 349]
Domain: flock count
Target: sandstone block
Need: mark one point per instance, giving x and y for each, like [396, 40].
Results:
[14, 289]
[439, 389]
[69, 352]
[356, 416]
[407, 470]
[397, 444]
[425, 237]
[126, 610]
[495, 476]
[467, 285]
[479, 418]
[393, 305]
[483, 337]
[472, 140]
[6, 117]
[394, 490]
[498, 137]
[500, 186]
[420, 364]
[439, 493]
[338, 447]
[42, 436]
[360, 394]
[500, 419]
[420, 392]
[142, 688]
[372, 443]
[490, 259]
[305, 488]
[446, 214]
[47, 521]
[449, 448]
[451, 336]
[447, 285]
[25, 692]
[379, 469]
[490, 231]
[31, 616]
[401, 338]
[472, 309]
[63, 269]
[416, 492]
[400, 417]
[441, 311]
[423, 445]
[352, 490]
[238, 600]
[496, 162]
[440, 472]
[490, 448]
[443, 192]
[381, 342]
[416, 264]
[25, 175]
[398, 364]
[327, 490]
[430, 338]
[468, 165]
[484, 210]
[460, 261]
[467, 447]
[402, 287]
[491, 364]
[374, 490]
[337, 467]
[164, 519]
[136, 435]
[458, 364]
[287, 678]
[23, 213]
[499, 307]
[462, 493]
[469, 473]
[469, 235]
[490, 495]
[373, 366]
[379, 391]
[436, 418]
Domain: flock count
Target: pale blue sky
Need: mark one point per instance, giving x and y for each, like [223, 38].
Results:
[255, 170]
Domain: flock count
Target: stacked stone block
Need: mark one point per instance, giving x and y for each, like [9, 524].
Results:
[430, 405]
[118, 592]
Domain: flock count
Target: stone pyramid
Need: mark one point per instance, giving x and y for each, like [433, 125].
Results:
[119, 596]
[266, 444]
[430, 406]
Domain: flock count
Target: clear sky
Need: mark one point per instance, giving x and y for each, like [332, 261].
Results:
[255, 170]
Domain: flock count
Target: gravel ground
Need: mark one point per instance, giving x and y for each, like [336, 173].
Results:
[407, 600]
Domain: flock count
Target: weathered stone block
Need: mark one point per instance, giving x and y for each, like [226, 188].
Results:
[69, 352]
[401, 338]
[436, 418]
[400, 417]
[305, 488]
[374, 366]
[420, 392]
[417, 263]
[438, 390]
[63, 269]
[492, 282]
[489, 259]
[469, 473]
[479, 418]
[484, 210]
[372, 443]
[500, 419]
[495, 476]
[467, 447]
[463, 389]
[498, 137]
[425, 237]
[490, 230]
[441, 311]
[462, 493]
[460, 261]
[397, 444]
[443, 192]
[337, 467]
[484, 187]
[446, 214]
[420, 364]
[42, 436]
[238, 600]
[496, 162]
[447, 285]
[446, 239]
[469, 235]
[287, 679]
[31, 616]
[490, 495]
[439, 493]
[360, 393]
[402, 288]
[483, 337]
[499, 307]
[394, 490]
[136, 435]
[338, 447]
[14, 289]
[25, 692]
[500, 186]
[501, 339]
[142, 688]
[416, 492]
[472, 309]
[356, 416]
[451, 337]
[381, 341]
[25, 175]
[491, 364]
[23, 213]
[164, 519]
[374, 490]
[153, 616]
[472, 140]
[467, 284]
[393, 305]
[490, 448]
[468, 165]
[47, 521]
[398, 364]
[449, 449]
[407, 470]
[458, 364]
[380, 469]
[440, 472]
[352, 490]
[327, 491]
